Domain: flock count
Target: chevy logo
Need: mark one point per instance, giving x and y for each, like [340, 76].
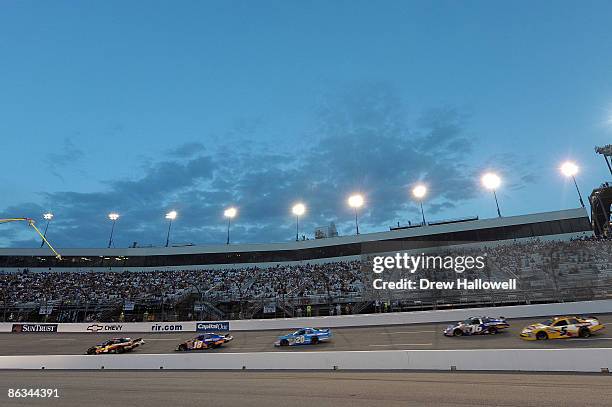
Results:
[95, 328]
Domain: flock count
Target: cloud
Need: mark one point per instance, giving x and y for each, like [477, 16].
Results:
[187, 150]
[69, 155]
[364, 142]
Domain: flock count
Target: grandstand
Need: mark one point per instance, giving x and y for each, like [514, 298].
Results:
[554, 256]
[565, 224]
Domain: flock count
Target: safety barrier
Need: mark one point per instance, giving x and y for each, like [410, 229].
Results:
[421, 317]
[396, 318]
[550, 360]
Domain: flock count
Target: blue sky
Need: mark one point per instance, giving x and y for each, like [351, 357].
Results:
[142, 107]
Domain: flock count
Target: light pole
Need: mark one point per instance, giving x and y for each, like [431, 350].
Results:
[47, 216]
[229, 213]
[170, 216]
[356, 202]
[569, 169]
[492, 181]
[298, 210]
[113, 217]
[419, 193]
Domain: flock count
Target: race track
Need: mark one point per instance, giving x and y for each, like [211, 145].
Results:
[305, 389]
[395, 337]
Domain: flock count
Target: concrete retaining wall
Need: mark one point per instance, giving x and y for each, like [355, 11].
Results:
[419, 317]
[550, 360]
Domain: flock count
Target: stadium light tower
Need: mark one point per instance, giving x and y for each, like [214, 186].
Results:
[170, 216]
[229, 213]
[569, 169]
[356, 202]
[492, 181]
[113, 218]
[419, 193]
[298, 210]
[47, 216]
[606, 152]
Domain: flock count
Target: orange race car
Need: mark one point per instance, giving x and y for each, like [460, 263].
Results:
[115, 345]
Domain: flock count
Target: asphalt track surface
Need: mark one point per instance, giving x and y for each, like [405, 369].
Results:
[305, 389]
[394, 337]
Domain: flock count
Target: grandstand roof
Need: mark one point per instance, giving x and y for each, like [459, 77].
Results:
[415, 233]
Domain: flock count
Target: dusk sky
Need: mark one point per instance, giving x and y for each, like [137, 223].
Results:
[141, 107]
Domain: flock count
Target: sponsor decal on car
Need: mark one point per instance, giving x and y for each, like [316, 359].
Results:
[166, 327]
[111, 327]
[34, 328]
[216, 326]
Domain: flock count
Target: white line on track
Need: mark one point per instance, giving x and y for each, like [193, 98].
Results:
[590, 339]
[406, 344]
[58, 339]
[162, 339]
[407, 332]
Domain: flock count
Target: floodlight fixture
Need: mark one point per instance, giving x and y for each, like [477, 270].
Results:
[356, 201]
[570, 169]
[298, 210]
[491, 181]
[46, 216]
[170, 216]
[419, 192]
[229, 213]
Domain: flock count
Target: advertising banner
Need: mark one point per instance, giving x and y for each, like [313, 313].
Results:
[215, 326]
[45, 310]
[100, 327]
[34, 328]
[269, 308]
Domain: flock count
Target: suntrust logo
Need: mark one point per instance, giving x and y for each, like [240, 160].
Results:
[166, 327]
[34, 328]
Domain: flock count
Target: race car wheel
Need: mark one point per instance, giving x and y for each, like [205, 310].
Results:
[120, 350]
[457, 332]
[182, 347]
[584, 332]
[284, 342]
[492, 330]
[314, 340]
[541, 336]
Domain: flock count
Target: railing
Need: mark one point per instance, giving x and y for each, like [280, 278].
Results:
[157, 309]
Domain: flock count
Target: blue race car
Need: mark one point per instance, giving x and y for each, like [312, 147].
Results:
[477, 326]
[304, 336]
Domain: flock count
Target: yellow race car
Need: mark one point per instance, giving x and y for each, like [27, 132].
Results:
[562, 327]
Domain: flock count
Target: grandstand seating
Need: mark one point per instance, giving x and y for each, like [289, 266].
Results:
[547, 271]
